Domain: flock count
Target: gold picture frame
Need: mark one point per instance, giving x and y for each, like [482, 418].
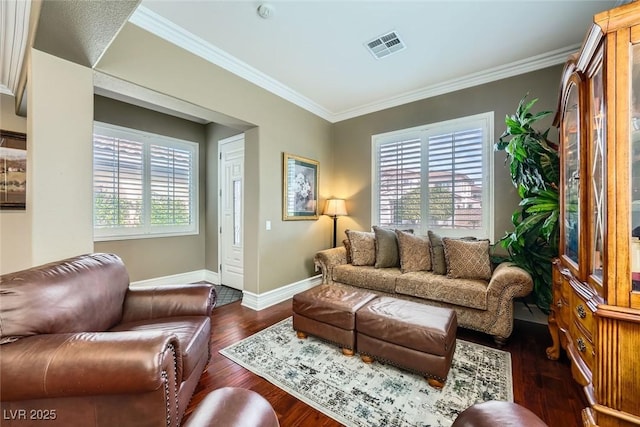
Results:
[300, 188]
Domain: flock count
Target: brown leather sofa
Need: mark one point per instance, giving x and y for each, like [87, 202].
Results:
[79, 347]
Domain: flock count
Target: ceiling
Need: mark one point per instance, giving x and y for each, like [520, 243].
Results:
[313, 52]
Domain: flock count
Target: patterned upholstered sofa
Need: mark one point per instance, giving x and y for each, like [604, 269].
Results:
[482, 296]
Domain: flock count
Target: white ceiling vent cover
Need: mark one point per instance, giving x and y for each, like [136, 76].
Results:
[385, 45]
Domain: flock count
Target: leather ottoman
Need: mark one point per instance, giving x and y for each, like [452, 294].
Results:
[409, 335]
[329, 312]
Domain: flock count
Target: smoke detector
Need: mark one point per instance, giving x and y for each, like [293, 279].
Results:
[266, 10]
[385, 45]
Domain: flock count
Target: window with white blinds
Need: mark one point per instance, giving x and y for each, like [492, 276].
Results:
[436, 177]
[144, 185]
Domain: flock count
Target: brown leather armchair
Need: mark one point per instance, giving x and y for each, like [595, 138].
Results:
[81, 348]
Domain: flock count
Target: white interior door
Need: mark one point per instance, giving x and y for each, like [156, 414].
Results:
[231, 211]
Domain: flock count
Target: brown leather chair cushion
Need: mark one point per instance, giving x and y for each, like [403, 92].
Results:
[497, 413]
[233, 407]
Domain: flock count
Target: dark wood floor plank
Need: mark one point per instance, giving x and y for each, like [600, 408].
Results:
[542, 385]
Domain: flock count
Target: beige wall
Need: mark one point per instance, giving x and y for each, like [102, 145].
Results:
[351, 152]
[252, 215]
[15, 225]
[59, 158]
[158, 257]
[215, 133]
[272, 258]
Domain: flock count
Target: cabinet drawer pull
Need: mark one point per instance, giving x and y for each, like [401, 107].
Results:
[581, 346]
[581, 311]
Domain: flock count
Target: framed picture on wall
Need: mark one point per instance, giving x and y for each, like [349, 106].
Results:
[300, 189]
[13, 170]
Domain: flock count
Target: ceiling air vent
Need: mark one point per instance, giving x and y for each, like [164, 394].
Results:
[385, 45]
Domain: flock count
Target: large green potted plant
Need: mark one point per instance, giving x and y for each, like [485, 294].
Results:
[534, 166]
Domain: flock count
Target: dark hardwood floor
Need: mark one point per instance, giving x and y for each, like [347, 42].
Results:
[543, 386]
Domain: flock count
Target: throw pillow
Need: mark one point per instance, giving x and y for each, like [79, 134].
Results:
[438, 262]
[415, 252]
[363, 247]
[347, 247]
[386, 248]
[467, 259]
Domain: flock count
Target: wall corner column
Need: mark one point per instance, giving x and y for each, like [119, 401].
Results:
[59, 158]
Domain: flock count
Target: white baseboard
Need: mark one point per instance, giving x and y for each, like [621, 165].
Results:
[261, 301]
[249, 299]
[181, 278]
[521, 312]
[212, 277]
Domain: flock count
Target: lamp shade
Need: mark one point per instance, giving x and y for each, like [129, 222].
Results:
[335, 207]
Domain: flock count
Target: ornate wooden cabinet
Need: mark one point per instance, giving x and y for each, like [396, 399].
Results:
[595, 314]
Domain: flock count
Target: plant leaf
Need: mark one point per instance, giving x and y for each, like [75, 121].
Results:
[534, 168]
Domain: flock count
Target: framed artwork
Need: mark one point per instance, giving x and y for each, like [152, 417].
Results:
[300, 189]
[13, 170]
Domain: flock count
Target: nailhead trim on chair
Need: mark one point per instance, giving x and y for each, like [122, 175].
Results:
[175, 380]
[165, 380]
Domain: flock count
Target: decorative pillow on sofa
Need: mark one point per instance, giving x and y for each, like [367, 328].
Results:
[347, 247]
[363, 247]
[438, 262]
[386, 248]
[467, 259]
[414, 251]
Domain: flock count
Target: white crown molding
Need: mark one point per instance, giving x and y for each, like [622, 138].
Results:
[167, 30]
[512, 69]
[14, 35]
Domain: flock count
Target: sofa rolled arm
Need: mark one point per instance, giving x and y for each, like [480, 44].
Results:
[508, 277]
[88, 363]
[156, 302]
[329, 258]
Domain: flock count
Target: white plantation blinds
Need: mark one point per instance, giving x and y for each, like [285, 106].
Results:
[399, 182]
[144, 185]
[436, 177]
[170, 185]
[117, 182]
[456, 179]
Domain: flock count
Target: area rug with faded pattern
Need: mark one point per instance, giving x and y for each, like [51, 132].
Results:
[358, 394]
